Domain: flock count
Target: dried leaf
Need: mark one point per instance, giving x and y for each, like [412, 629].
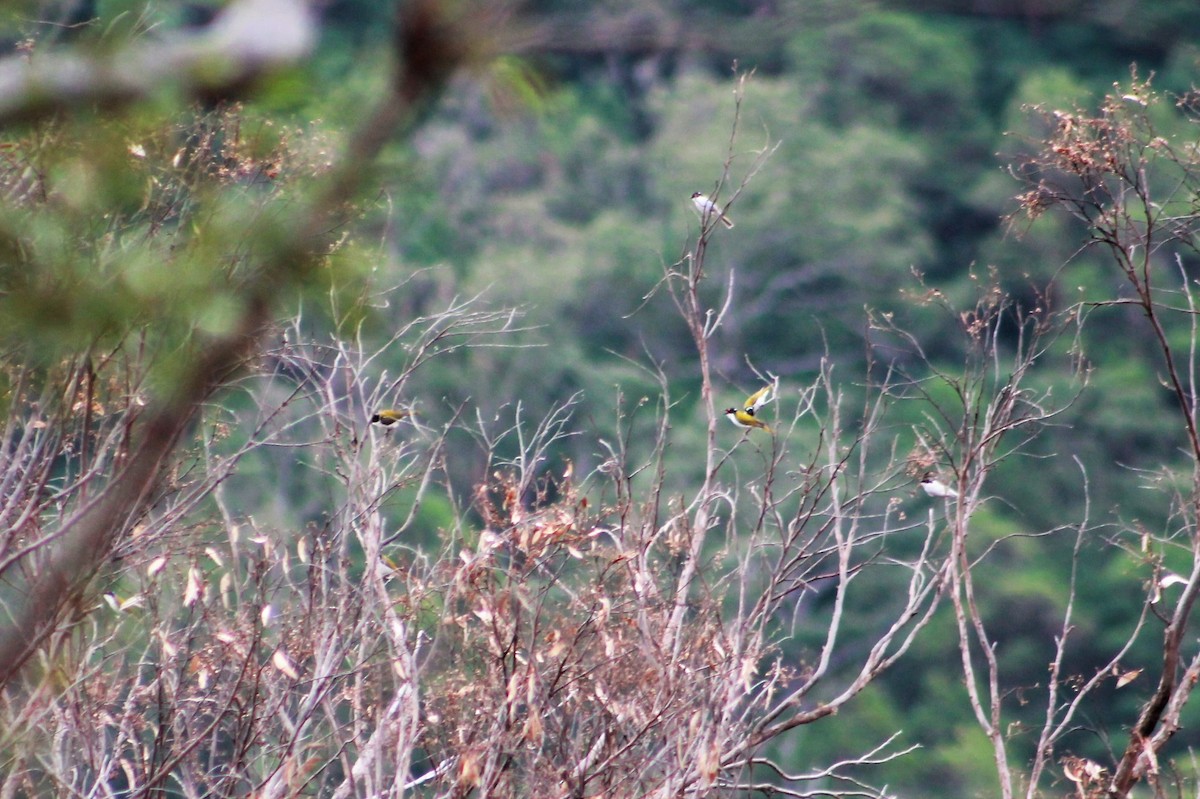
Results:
[514, 687]
[226, 588]
[468, 770]
[195, 586]
[749, 669]
[709, 764]
[533, 727]
[1171, 578]
[557, 644]
[281, 661]
[531, 684]
[1128, 677]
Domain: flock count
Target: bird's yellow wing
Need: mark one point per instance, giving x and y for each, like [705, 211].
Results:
[388, 416]
[758, 399]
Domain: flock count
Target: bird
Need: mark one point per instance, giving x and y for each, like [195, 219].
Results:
[744, 416]
[389, 416]
[708, 208]
[936, 488]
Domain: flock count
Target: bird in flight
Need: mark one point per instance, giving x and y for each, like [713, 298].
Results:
[709, 209]
[745, 415]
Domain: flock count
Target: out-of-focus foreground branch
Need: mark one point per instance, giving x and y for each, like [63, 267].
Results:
[247, 40]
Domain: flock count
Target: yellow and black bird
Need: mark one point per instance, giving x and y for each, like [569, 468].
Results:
[745, 415]
[389, 416]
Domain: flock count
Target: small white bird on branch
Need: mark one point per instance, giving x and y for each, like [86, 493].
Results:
[936, 488]
[709, 209]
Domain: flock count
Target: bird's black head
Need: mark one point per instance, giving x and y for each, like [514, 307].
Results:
[927, 478]
[375, 419]
[696, 194]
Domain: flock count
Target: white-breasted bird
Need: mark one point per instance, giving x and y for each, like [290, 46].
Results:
[936, 488]
[709, 209]
[744, 416]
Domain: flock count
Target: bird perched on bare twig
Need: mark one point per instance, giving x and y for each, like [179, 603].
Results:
[936, 488]
[709, 209]
[389, 416]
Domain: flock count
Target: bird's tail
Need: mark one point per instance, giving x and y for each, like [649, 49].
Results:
[726, 221]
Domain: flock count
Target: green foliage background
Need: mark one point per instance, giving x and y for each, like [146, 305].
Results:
[559, 185]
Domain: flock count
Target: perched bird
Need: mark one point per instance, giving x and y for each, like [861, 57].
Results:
[389, 417]
[744, 416]
[708, 208]
[936, 488]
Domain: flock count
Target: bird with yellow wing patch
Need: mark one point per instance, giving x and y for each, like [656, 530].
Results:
[745, 416]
